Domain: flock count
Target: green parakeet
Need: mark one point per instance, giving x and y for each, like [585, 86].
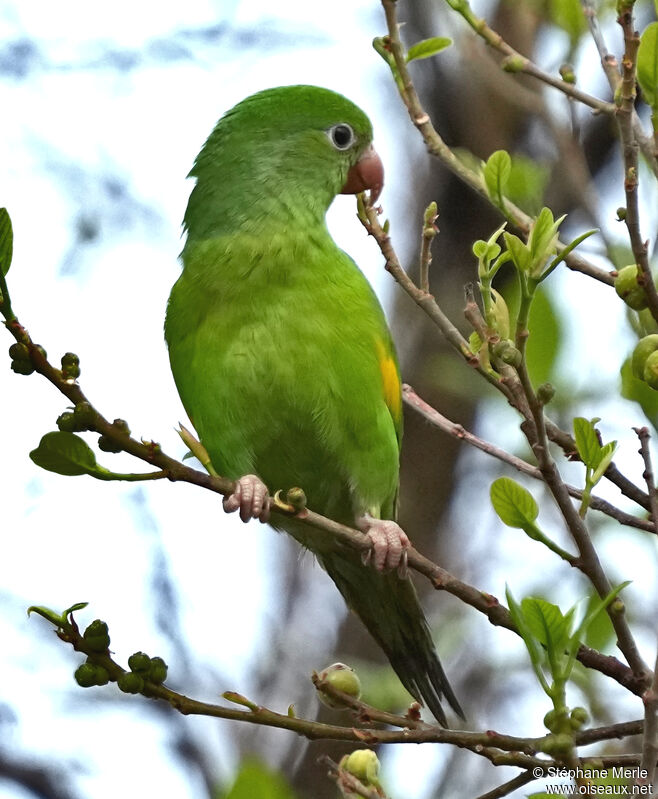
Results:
[282, 356]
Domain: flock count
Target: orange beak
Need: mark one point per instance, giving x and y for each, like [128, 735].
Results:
[367, 173]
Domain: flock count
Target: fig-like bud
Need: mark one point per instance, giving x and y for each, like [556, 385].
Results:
[344, 679]
[85, 675]
[107, 445]
[644, 347]
[70, 365]
[85, 416]
[627, 287]
[130, 683]
[545, 393]
[19, 352]
[139, 662]
[507, 352]
[578, 718]
[158, 670]
[66, 422]
[96, 636]
[364, 765]
[22, 367]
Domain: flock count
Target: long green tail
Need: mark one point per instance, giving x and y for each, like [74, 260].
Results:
[389, 608]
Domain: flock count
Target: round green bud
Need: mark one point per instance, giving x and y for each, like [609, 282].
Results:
[545, 393]
[567, 73]
[102, 675]
[130, 683]
[551, 720]
[344, 679]
[85, 416]
[107, 445]
[19, 352]
[41, 350]
[66, 422]
[621, 213]
[70, 365]
[643, 349]
[139, 662]
[650, 371]
[121, 424]
[96, 636]
[507, 352]
[558, 745]
[364, 765]
[158, 670]
[85, 675]
[578, 718]
[630, 291]
[22, 367]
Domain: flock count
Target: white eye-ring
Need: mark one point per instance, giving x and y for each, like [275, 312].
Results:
[341, 136]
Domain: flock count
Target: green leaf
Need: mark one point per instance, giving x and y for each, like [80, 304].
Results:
[542, 241]
[547, 623]
[496, 172]
[6, 241]
[427, 48]
[607, 454]
[527, 183]
[65, 453]
[518, 250]
[587, 441]
[536, 653]
[600, 634]
[568, 15]
[513, 503]
[647, 65]
[256, 780]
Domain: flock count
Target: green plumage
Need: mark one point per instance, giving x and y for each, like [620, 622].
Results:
[281, 352]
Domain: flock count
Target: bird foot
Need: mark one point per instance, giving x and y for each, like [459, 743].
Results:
[250, 497]
[389, 544]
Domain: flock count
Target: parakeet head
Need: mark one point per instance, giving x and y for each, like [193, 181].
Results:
[281, 154]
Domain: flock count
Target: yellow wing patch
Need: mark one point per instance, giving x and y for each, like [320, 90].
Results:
[390, 382]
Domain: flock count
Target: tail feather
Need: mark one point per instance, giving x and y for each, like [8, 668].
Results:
[389, 608]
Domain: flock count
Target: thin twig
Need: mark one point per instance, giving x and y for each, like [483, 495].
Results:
[440, 149]
[507, 787]
[456, 430]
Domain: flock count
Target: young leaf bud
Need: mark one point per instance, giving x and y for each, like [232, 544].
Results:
[627, 287]
[344, 679]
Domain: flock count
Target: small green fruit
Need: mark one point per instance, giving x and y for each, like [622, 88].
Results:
[578, 718]
[364, 765]
[130, 683]
[85, 675]
[139, 662]
[650, 372]
[344, 679]
[107, 445]
[96, 636]
[66, 422]
[644, 347]
[85, 416]
[157, 673]
[627, 287]
[70, 365]
[19, 352]
[22, 367]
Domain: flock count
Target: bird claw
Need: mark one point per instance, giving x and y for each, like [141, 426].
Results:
[389, 545]
[250, 497]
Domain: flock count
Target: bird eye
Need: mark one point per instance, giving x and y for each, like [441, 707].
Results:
[341, 136]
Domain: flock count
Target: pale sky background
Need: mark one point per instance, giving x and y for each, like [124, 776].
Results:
[74, 124]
